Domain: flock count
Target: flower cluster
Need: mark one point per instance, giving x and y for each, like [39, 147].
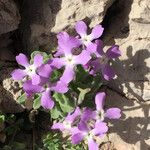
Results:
[87, 124]
[85, 50]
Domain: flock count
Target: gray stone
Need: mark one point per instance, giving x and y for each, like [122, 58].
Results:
[36, 24]
[10, 90]
[129, 28]
[6, 48]
[9, 16]
[92, 11]
[43, 19]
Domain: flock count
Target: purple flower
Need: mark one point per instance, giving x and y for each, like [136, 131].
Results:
[102, 62]
[68, 60]
[68, 123]
[45, 90]
[66, 43]
[87, 114]
[30, 69]
[81, 29]
[88, 133]
[100, 114]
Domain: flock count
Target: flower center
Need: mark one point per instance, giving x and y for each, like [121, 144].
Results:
[89, 135]
[104, 60]
[69, 59]
[101, 115]
[86, 39]
[31, 70]
[67, 124]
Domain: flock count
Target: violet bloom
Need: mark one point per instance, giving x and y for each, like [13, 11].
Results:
[46, 100]
[86, 39]
[67, 59]
[87, 114]
[45, 90]
[102, 62]
[100, 114]
[88, 133]
[69, 122]
[66, 43]
[30, 69]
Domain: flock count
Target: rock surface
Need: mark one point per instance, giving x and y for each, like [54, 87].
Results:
[43, 19]
[129, 29]
[10, 90]
[92, 11]
[36, 24]
[9, 16]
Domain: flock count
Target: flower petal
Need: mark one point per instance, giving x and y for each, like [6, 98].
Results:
[45, 71]
[74, 130]
[63, 39]
[99, 44]
[38, 60]
[68, 74]
[92, 48]
[113, 113]
[113, 52]
[57, 63]
[46, 100]
[97, 31]
[72, 116]
[58, 125]
[22, 60]
[77, 138]
[96, 66]
[100, 128]
[81, 28]
[60, 87]
[99, 100]
[87, 114]
[92, 145]
[35, 79]
[74, 42]
[83, 126]
[18, 74]
[66, 43]
[58, 52]
[30, 89]
[108, 72]
[82, 58]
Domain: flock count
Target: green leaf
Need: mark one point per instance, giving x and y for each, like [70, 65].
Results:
[56, 112]
[81, 73]
[22, 98]
[2, 118]
[69, 146]
[10, 118]
[82, 94]
[37, 103]
[66, 104]
[7, 147]
[55, 76]
[52, 141]
[45, 56]
[18, 146]
[83, 79]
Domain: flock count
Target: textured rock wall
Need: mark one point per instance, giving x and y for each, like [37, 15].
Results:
[28, 25]
[9, 16]
[130, 28]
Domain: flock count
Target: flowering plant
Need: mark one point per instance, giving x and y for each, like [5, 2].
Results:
[66, 82]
